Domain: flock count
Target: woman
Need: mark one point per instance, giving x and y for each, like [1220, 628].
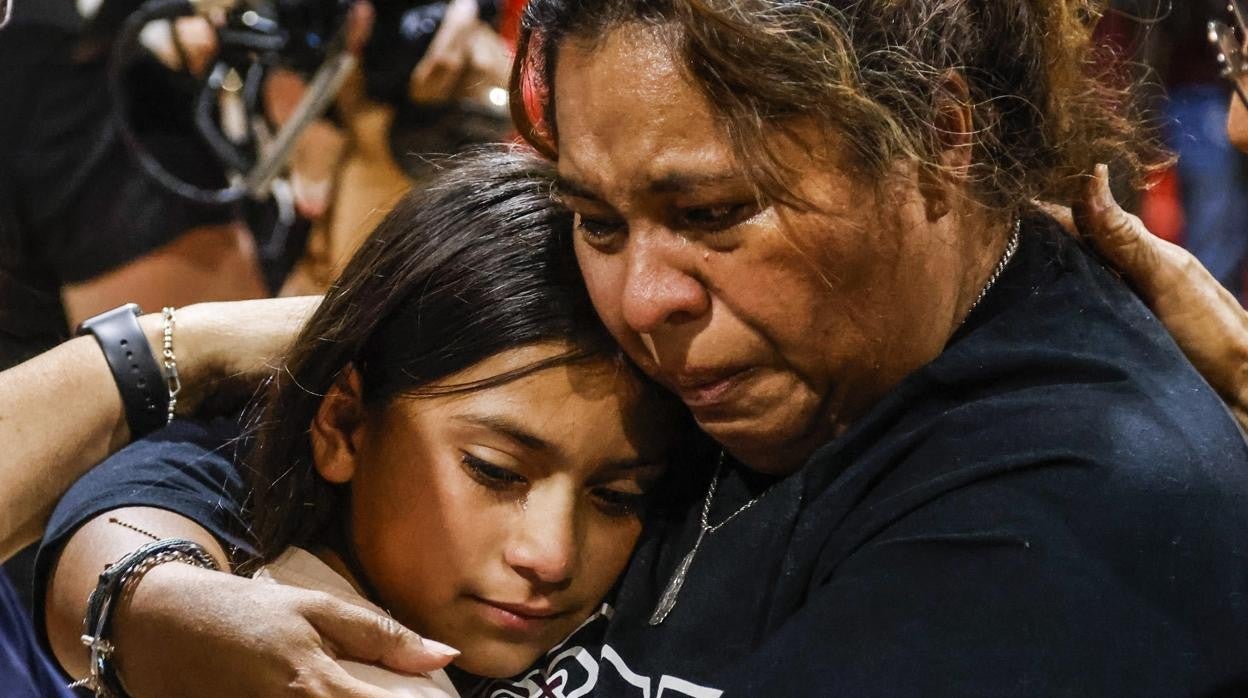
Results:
[964, 458]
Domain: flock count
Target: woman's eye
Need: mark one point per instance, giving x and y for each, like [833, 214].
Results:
[597, 229]
[718, 217]
[619, 503]
[490, 475]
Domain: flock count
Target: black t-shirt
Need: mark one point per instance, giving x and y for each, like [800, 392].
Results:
[1054, 506]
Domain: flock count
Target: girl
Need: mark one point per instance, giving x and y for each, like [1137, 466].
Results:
[454, 436]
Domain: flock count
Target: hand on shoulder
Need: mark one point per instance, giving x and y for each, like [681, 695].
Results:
[1208, 322]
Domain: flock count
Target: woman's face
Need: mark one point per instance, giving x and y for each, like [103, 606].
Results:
[776, 326]
[497, 520]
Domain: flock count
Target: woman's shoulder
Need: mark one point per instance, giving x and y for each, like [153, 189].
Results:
[1067, 360]
[1063, 403]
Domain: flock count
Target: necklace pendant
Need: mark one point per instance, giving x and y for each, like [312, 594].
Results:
[668, 600]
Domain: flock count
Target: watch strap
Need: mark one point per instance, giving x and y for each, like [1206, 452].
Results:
[135, 370]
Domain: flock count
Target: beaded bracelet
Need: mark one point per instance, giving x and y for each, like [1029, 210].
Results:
[115, 582]
[172, 380]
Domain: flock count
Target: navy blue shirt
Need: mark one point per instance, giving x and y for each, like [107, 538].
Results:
[1056, 505]
[25, 672]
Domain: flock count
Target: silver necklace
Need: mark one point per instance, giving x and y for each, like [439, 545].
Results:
[668, 600]
[1011, 248]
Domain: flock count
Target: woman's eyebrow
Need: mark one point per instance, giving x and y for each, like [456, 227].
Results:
[511, 429]
[681, 182]
[565, 187]
[668, 183]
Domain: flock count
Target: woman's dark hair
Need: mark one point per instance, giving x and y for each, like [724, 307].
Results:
[1046, 103]
[478, 262]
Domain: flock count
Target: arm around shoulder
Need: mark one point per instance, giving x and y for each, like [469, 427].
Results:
[60, 412]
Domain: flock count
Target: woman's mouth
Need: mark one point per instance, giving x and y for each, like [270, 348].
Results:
[701, 390]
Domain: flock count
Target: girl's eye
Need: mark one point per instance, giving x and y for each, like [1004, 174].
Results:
[619, 503]
[490, 475]
[718, 217]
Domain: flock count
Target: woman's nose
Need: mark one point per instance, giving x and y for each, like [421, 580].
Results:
[543, 547]
[659, 287]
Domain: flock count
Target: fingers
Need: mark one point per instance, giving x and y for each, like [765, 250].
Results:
[491, 57]
[199, 42]
[357, 633]
[1205, 320]
[1150, 263]
[360, 25]
[439, 71]
[314, 166]
[328, 678]
[1237, 120]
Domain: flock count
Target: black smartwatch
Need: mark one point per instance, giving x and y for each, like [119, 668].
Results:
[138, 376]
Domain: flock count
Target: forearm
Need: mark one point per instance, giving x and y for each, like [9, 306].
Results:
[185, 631]
[99, 543]
[60, 413]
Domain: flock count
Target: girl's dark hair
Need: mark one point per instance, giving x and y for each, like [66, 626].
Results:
[478, 262]
[1047, 104]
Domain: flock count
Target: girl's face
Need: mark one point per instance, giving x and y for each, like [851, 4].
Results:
[496, 520]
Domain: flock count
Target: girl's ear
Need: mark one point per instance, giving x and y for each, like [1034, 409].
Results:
[338, 428]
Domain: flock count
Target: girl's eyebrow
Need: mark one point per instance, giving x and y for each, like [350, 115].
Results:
[516, 432]
[616, 466]
[511, 429]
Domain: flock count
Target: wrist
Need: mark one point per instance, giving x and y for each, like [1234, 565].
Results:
[129, 603]
[194, 342]
[148, 624]
[136, 371]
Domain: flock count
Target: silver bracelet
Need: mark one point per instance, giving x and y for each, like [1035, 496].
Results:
[172, 380]
[115, 583]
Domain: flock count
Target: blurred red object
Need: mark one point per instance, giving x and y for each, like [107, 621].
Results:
[509, 23]
[1161, 207]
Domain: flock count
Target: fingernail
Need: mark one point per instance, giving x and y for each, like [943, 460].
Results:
[1104, 195]
[438, 647]
[311, 190]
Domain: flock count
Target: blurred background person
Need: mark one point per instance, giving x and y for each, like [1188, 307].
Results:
[1202, 202]
[85, 230]
[397, 119]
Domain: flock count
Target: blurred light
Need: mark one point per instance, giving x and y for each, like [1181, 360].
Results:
[498, 96]
[233, 82]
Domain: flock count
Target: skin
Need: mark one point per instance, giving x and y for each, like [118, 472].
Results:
[1237, 121]
[778, 327]
[49, 443]
[207, 263]
[1205, 319]
[527, 496]
[348, 180]
[286, 643]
